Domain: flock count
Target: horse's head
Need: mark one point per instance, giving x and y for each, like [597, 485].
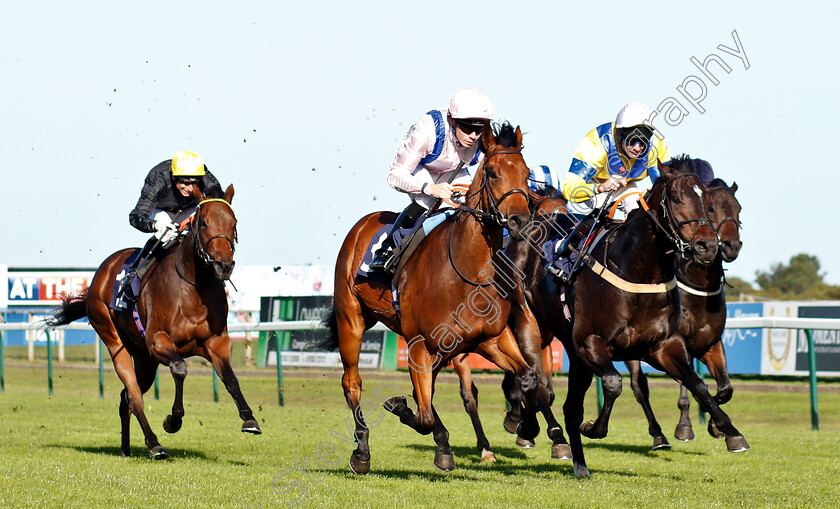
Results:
[214, 230]
[724, 211]
[500, 186]
[683, 211]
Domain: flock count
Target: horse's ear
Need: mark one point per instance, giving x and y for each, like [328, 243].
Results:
[518, 138]
[229, 194]
[666, 170]
[487, 137]
[734, 187]
[197, 194]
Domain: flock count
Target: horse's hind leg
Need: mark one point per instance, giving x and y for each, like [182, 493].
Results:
[639, 384]
[469, 393]
[219, 350]
[350, 328]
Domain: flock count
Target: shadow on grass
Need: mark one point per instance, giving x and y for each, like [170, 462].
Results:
[175, 453]
[643, 450]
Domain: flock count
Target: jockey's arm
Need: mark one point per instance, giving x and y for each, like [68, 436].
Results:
[578, 186]
[139, 216]
[416, 144]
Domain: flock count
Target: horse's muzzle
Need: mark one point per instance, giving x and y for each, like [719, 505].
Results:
[516, 225]
[705, 250]
[729, 249]
[223, 269]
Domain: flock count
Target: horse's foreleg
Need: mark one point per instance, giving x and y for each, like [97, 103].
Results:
[598, 359]
[528, 380]
[469, 394]
[715, 360]
[125, 424]
[218, 351]
[444, 459]
[672, 357]
[684, 432]
[639, 384]
[162, 349]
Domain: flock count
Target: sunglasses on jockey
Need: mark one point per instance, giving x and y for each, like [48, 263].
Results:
[187, 181]
[470, 125]
[632, 135]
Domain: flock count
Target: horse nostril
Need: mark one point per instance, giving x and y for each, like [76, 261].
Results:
[701, 246]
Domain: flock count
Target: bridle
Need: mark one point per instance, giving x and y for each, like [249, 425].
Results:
[201, 244]
[494, 214]
[672, 223]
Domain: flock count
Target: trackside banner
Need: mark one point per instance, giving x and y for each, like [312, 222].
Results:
[25, 287]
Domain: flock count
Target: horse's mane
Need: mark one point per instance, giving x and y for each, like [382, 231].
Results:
[504, 134]
[681, 162]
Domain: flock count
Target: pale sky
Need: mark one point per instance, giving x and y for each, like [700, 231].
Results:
[301, 105]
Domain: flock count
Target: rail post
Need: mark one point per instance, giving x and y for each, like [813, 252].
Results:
[812, 368]
[49, 363]
[699, 368]
[99, 347]
[2, 364]
[215, 387]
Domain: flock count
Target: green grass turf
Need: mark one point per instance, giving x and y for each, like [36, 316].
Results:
[63, 451]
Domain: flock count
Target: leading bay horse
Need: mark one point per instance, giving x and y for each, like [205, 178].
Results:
[453, 295]
[182, 307]
[702, 315]
[623, 304]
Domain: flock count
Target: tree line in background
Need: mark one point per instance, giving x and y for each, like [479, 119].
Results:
[800, 279]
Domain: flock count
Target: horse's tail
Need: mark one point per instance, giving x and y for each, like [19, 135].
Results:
[72, 308]
[330, 322]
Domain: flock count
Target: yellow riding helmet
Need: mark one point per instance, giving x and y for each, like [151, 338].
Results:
[187, 164]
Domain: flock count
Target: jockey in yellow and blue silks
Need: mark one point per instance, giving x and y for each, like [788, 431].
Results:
[606, 165]
[613, 157]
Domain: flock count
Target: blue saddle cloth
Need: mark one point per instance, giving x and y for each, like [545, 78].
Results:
[128, 298]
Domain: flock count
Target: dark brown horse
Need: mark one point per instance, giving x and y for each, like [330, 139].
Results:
[623, 304]
[183, 308]
[453, 295]
[702, 315]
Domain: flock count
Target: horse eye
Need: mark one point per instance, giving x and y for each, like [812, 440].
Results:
[490, 173]
[711, 208]
[676, 199]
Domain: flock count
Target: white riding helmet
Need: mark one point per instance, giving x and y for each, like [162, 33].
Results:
[470, 103]
[634, 114]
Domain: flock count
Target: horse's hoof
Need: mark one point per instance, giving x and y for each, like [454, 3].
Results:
[660, 442]
[684, 433]
[487, 456]
[524, 443]
[158, 453]
[581, 471]
[528, 431]
[714, 431]
[561, 452]
[358, 465]
[587, 430]
[445, 462]
[737, 444]
[511, 423]
[251, 426]
[126, 453]
[172, 424]
[394, 404]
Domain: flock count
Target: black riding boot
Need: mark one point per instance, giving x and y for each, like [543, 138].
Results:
[406, 219]
[562, 271]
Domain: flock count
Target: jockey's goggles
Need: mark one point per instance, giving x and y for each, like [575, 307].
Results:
[632, 135]
[187, 181]
[470, 125]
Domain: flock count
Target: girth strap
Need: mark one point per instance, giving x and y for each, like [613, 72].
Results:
[627, 286]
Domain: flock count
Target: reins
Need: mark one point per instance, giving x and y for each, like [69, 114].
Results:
[671, 232]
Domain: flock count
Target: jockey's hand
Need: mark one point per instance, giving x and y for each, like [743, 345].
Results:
[613, 183]
[443, 190]
[165, 231]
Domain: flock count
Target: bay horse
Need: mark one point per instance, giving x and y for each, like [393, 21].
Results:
[453, 295]
[183, 308]
[702, 315]
[623, 304]
[547, 204]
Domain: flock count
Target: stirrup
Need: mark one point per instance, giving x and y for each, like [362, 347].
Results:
[380, 261]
